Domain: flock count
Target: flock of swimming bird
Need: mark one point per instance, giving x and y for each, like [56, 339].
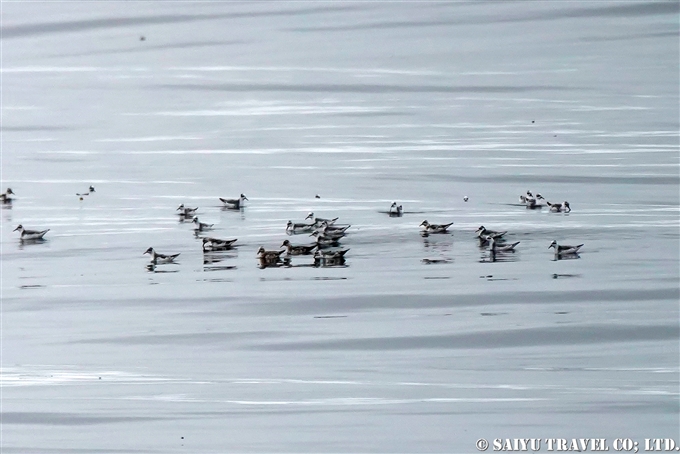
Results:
[327, 233]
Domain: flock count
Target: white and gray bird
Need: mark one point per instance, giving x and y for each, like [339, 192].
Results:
[318, 221]
[201, 226]
[565, 249]
[559, 207]
[495, 247]
[484, 234]
[186, 211]
[215, 244]
[234, 203]
[30, 234]
[396, 210]
[157, 258]
[296, 227]
[269, 256]
[435, 228]
[5, 197]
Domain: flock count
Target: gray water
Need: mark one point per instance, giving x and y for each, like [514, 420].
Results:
[363, 104]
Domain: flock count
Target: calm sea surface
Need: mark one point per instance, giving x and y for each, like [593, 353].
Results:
[363, 103]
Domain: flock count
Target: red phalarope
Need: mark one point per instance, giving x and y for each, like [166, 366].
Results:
[269, 256]
[186, 211]
[215, 244]
[201, 226]
[530, 201]
[234, 203]
[31, 234]
[435, 228]
[326, 235]
[559, 207]
[157, 258]
[292, 227]
[564, 249]
[484, 234]
[395, 210]
[298, 250]
[318, 221]
[5, 198]
[501, 247]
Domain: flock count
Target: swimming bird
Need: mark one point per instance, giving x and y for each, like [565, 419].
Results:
[322, 243]
[333, 229]
[292, 227]
[30, 234]
[90, 190]
[331, 255]
[215, 244]
[157, 258]
[435, 228]
[502, 247]
[559, 207]
[329, 258]
[201, 226]
[317, 221]
[484, 234]
[5, 198]
[326, 235]
[530, 201]
[234, 203]
[564, 249]
[298, 250]
[396, 210]
[186, 211]
[269, 256]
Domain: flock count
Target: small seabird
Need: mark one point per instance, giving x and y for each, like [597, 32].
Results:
[484, 234]
[396, 210]
[331, 255]
[465, 199]
[215, 244]
[317, 196]
[292, 227]
[427, 261]
[564, 249]
[333, 229]
[320, 220]
[330, 258]
[530, 201]
[157, 258]
[502, 247]
[559, 207]
[234, 203]
[298, 250]
[90, 190]
[30, 234]
[200, 226]
[435, 228]
[326, 235]
[322, 242]
[269, 256]
[186, 211]
[5, 198]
